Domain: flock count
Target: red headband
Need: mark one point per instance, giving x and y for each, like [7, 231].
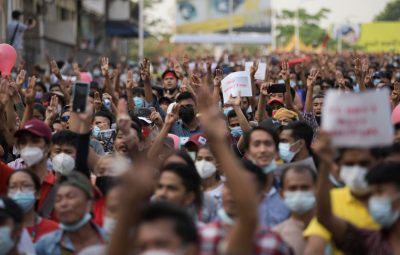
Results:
[169, 74]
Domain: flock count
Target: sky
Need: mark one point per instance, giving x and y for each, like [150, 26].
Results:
[354, 11]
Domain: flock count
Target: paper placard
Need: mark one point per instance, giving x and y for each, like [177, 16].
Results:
[236, 82]
[260, 74]
[358, 119]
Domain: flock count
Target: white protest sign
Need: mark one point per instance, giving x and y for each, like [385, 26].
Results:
[358, 119]
[260, 74]
[236, 82]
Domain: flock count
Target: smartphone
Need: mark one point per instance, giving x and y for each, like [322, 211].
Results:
[277, 88]
[80, 95]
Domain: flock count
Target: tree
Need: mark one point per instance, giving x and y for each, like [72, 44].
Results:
[310, 32]
[390, 13]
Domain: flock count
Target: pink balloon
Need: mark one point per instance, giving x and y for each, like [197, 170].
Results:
[86, 77]
[396, 115]
[8, 57]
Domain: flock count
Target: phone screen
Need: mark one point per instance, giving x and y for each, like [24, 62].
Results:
[81, 92]
[277, 88]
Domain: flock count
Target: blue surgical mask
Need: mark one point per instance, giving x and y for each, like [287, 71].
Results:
[382, 212]
[299, 201]
[270, 168]
[6, 243]
[376, 82]
[236, 131]
[285, 153]
[76, 226]
[25, 200]
[96, 131]
[227, 110]
[96, 73]
[292, 83]
[139, 102]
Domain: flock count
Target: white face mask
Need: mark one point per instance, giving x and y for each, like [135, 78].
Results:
[63, 163]
[205, 168]
[31, 155]
[354, 178]
[299, 201]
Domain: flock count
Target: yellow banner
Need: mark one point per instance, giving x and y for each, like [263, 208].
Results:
[211, 25]
[380, 37]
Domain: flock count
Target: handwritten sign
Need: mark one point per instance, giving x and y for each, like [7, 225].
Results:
[260, 74]
[358, 119]
[236, 82]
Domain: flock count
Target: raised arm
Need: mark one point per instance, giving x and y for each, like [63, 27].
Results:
[310, 90]
[253, 70]
[29, 100]
[146, 78]
[325, 216]
[63, 85]
[235, 103]
[51, 111]
[262, 101]
[361, 70]
[219, 73]
[130, 84]
[240, 241]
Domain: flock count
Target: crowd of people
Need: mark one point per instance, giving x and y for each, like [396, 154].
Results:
[158, 164]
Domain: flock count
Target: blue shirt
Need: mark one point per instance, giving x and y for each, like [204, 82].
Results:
[55, 242]
[181, 130]
[272, 210]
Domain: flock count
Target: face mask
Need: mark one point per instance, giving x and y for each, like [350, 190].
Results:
[59, 109]
[96, 131]
[96, 72]
[227, 110]
[205, 168]
[376, 82]
[186, 114]
[63, 163]
[270, 168]
[139, 102]
[285, 153]
[107, 103]
[109, 224]
[354, 178]
[299, 201]
[281, 81]
[224, 217]
[31, 155]
[38, 95]
[292, 83]
[76, 226]
[6, 243]
[381, 210]
[25, 200]
[16, 151]
[236, 132]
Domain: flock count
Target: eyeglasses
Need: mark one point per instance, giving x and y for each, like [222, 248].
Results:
[65, 118]
[23, 188]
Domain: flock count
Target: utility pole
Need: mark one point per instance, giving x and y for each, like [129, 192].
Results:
[141, 29]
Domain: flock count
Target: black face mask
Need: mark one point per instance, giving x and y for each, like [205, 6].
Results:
[104, 183]
[318, 119]
[186, 113]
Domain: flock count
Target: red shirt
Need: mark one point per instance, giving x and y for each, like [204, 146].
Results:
[98, 206]
[47, 184]
[5, 172]
[45, 226]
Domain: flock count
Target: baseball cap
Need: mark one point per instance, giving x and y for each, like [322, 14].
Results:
[197, 140]
[8, 208]
[78, 180]
[35, 127]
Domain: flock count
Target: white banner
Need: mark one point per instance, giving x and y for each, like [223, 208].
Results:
[236, 82]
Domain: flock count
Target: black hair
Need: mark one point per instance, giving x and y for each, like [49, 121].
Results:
[185, 95]
[319, 95]
[64, 137]
[257, 172]
[106, 114]
[40, 108]
[271, 132]
[138, 91]
[40, 84]
[184, 226]
[299, 169]
[16, 14]
[185, 156]
[10, 209]
[292, 92]
[386, 172]
[190, 179]
[301, 130]
[28, 171]
[231, 114]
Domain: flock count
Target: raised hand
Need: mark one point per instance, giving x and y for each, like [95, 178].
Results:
[178, 68]
[54, 69]
[30, 91]
[97, 102]
[312, 77]
[218, 77]
[124, 124]
[130, 83]
[104, 66]
[4, 93]
[264, 88]
[209, 62]
[51, 111]
[20, 78]
[195, 81]
[173, 116]
[233, 101]
[145, 70]
[155, 117]
[339, 79]
[253, 69]
[323, 148]
[285, 71]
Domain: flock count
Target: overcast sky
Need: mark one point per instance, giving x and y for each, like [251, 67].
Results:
[355, 11]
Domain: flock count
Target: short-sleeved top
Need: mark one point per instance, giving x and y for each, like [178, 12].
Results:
[18, 42]
[272, 210]
[358, 241]
[43, 227]
[344, 206]
[266, 242]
